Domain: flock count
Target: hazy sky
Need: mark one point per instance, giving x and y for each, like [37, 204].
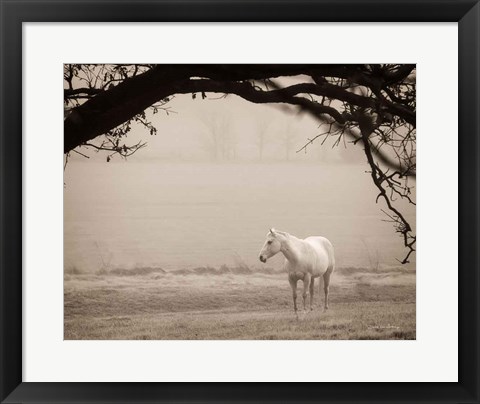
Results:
[187, 131]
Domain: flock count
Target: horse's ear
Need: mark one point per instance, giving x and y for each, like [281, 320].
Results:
[272, 231]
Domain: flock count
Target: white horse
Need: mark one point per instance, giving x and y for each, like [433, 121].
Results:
[305, 259]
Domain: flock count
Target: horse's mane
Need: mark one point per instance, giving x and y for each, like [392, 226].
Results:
[283, 233]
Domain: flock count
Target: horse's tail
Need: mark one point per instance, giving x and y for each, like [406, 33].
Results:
[320, 286]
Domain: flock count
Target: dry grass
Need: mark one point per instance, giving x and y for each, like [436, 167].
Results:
[207, 303]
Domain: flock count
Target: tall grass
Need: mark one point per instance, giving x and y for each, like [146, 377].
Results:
[235, 303]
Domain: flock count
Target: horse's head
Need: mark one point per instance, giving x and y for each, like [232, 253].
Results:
[271, 247]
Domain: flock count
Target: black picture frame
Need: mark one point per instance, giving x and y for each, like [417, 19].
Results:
[14, 13]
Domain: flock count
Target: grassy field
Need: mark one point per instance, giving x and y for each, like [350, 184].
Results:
[235, 303]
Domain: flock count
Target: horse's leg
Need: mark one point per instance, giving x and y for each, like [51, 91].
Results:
[293, 284]
[306, 286]
[312, 284]
[326, 284]
[321, 282]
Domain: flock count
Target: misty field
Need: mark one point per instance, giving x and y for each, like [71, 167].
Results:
[174, 255]
[119, 215]
[235, 303]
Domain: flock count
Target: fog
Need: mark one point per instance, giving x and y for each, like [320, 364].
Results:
[206, 189]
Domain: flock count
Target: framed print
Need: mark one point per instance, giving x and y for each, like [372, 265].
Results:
[228, 193]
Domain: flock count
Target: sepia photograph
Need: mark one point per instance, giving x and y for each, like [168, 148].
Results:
[239, 201]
